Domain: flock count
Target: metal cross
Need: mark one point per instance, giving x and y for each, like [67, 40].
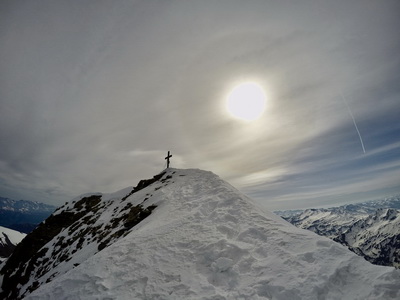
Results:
[167, 158]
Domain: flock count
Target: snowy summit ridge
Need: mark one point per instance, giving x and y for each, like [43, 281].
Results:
[199, 238]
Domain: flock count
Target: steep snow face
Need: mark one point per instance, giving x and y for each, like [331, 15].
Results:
[8, 240]
[205, 240]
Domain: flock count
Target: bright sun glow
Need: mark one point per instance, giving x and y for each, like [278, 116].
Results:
[246, 101]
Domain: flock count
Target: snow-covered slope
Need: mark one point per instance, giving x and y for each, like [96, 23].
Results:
[8, 240]
[72, 234]
[205, 240]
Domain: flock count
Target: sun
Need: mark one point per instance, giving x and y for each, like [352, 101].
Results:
[246, 101]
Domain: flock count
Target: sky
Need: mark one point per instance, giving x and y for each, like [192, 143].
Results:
[94, 93]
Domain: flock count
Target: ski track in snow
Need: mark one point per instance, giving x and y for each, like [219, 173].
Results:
[205, 240]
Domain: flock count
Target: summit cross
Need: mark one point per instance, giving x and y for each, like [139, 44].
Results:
[167, 158]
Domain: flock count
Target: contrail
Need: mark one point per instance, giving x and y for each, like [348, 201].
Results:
[354, 121]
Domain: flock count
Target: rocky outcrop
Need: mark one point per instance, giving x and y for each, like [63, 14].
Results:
[70, 235]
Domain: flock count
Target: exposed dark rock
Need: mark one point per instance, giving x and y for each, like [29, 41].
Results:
[68, 230]
[7, 248]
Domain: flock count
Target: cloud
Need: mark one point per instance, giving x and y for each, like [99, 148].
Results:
[95, 93]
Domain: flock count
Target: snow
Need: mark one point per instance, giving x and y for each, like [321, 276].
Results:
[205, 240]
[70, 204]
[369, 229]
[8, 236]
[14, 236]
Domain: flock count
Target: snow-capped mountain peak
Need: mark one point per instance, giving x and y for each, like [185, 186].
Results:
[8, 240]
[187, 234]
[369, 229]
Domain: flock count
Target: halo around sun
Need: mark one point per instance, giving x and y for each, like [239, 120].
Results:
[246, 101]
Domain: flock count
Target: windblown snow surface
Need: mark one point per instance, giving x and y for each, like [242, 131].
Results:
[205, 240]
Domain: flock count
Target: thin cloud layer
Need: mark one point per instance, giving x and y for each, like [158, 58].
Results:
[93, 94]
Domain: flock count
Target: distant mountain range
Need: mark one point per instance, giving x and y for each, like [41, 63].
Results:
[23, 215]
[370, 229]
